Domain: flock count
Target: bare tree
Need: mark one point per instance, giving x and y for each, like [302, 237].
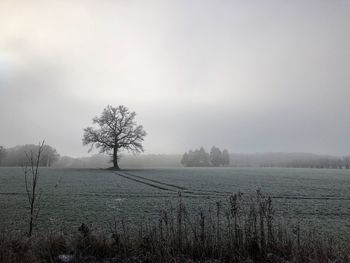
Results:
[117, 130]
[215, 156]
[346, 161]
[185, 159]
[49, 156]
[31, 177]
[15, 156]
[225, 158]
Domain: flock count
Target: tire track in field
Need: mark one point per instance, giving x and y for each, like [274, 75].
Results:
[160, 187]
[143, 182]
[156, 181]
[163, 186]
[185, 190]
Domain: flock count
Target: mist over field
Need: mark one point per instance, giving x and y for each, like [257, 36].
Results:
[265, 76]
[174, 131]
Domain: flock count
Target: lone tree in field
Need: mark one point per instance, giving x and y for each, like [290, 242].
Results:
[117, 131]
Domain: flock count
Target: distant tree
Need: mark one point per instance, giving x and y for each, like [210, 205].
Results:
[196, 158]
[216, 156]
[191, 158]
[117, 130]
[49, 156]
[16, 156]
[185, 159]
[346, 161]
[203, 157]
[2, 154]
[340, 163]
[225, 158]
[199, 157]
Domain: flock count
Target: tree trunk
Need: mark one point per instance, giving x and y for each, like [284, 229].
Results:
[115, 159]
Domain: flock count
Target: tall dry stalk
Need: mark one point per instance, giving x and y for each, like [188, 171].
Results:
[31, 170]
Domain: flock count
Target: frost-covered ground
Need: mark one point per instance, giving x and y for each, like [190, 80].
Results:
[317, 198]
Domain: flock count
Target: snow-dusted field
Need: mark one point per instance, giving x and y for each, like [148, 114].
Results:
[317, 198]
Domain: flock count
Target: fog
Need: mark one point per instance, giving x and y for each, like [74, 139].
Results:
[249, 76]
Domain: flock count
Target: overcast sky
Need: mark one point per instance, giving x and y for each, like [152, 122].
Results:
[251, 76]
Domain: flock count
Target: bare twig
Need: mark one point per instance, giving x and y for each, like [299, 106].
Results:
[34, 197]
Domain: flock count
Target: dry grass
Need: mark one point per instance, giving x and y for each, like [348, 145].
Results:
[230, 232]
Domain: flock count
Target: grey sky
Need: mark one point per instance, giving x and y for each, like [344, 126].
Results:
[251, 76]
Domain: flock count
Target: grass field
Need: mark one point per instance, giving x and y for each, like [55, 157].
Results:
[318, 199]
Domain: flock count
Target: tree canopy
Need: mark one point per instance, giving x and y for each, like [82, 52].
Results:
[16, 156]
[116, 131]
[200, 158]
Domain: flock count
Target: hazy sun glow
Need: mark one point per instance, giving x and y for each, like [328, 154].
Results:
[228, 73]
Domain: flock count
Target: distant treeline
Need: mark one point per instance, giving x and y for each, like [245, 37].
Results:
[297, 160]
[200, 158]
[17, 156]
[290, 160]
[325, 162]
